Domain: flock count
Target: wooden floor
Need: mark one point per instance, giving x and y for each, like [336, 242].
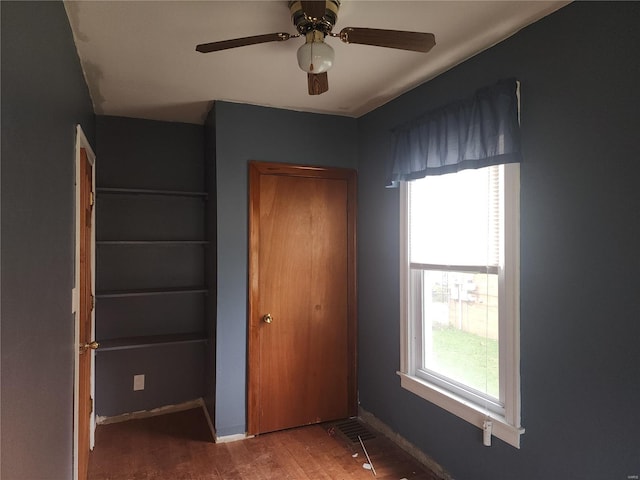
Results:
[178, 446]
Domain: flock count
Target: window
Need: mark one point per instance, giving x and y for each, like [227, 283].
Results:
[460, 295]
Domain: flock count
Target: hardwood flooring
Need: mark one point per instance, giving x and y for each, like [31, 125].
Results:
[178, 446]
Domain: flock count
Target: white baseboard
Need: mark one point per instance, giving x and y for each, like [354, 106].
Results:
[151, 413]
[233, 438]
[212, 429]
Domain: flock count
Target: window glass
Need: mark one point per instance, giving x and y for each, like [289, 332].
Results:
[460, 334]
[454, 253]
[455, 219]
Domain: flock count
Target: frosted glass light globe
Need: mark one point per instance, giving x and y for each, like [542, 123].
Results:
[315, 57]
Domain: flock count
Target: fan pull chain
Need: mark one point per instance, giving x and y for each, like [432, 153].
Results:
[311, 66]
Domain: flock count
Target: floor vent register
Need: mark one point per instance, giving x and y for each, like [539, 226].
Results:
[352, 429]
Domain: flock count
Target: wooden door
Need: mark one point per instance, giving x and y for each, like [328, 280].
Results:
[302, 365]
[85, 404]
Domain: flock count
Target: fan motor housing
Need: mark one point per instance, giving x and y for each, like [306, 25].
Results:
[305, 24]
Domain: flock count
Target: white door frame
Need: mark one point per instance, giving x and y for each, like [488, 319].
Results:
[82, 142]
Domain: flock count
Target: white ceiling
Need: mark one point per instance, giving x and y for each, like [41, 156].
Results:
[140, 61]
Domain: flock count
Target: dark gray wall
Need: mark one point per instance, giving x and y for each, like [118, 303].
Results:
[243, 133]
[44, 96]
[580, 229]
[146, 154]
[211, 259]
[149, 154]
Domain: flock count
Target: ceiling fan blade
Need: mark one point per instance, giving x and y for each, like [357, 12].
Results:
[314, 9]
[241, 42]
[414, 41]
[318, 83]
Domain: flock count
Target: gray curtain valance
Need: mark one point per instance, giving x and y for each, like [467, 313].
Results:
[473, 133]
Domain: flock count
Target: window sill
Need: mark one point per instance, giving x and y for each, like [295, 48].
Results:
[461, 408]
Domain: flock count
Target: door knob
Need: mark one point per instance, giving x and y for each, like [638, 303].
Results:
[90, 346]
[267, 318]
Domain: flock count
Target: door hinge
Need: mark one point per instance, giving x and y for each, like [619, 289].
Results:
[91, 199]
[93, 303]
[91, 405]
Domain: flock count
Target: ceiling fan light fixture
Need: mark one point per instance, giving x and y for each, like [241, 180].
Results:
[315, 20]
[315, 56]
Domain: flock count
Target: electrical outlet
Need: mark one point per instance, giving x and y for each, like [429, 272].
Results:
[138, 382]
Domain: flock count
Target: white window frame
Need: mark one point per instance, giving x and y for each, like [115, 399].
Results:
[505, 425]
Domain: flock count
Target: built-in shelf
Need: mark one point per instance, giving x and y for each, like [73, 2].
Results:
[152, 242]
[149, 292]
[129, 343]
[144, 191]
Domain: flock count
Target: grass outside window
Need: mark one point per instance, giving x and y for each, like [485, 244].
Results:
[466, 357]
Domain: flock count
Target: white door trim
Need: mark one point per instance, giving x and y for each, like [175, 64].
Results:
[82, 142]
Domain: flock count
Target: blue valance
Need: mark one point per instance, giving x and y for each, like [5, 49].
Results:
[481, 131]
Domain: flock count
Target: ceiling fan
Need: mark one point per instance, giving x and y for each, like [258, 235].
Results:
[314, 20]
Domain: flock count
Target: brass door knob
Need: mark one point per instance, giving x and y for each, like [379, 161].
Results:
[267, 318]
[93, 345]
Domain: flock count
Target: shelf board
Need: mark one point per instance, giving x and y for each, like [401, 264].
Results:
[144, 191]
[129, 343]
[150, 291]
[167, 243]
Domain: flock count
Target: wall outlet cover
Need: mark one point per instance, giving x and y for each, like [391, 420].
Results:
[138, 382]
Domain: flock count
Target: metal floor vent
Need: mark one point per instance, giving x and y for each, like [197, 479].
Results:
[352, 428]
